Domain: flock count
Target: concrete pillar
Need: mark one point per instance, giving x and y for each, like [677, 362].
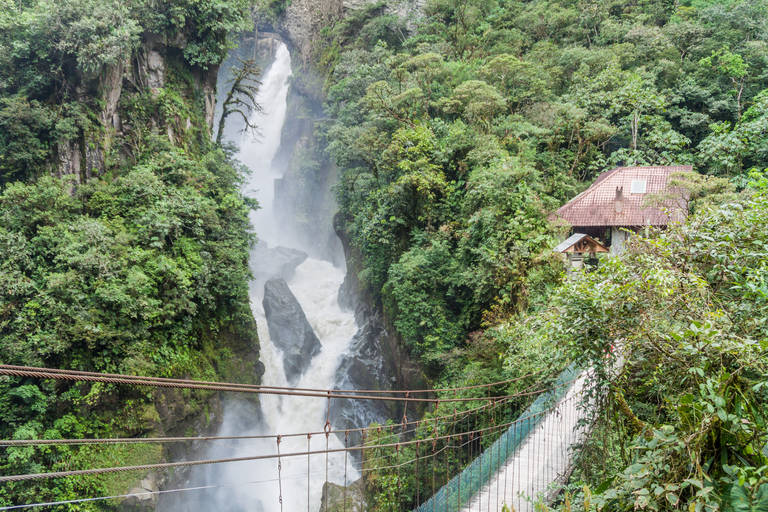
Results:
[618, 240]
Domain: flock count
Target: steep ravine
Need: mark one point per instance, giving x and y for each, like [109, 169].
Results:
[311, 295]
[307, 338]
[375, 359]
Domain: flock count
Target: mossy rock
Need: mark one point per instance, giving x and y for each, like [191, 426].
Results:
[334, 497]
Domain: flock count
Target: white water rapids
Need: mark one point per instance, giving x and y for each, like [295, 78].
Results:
[253, 485]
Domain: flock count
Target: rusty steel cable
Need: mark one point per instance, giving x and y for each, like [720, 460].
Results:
[279, 476]
[144, 440]
[409, 461]
[164, 383]
[20, 371]
[167, 465]
[147, 493]
[397, 476]
[447, 439]
[418, 477]
[419, 423]
[141, 440]
[461, 465]
[309, 448]
[346, 453]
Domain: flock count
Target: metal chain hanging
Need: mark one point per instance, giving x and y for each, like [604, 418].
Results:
[434, 446]
[461, 449]
[346, 445]
[418, 476]
[327, 429]
[309, 437]
[397, 475]
[279, 475]
[362, 452]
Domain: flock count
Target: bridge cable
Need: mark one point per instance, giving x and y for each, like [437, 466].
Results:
[165, 465]
[166, 383]
[21, 371]
[144, 493]
[143, 440]
[309, 439]
[447, 438]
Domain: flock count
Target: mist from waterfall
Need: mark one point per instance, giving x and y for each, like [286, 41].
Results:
[253, 485]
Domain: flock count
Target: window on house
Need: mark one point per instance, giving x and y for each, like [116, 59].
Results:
[638, 187]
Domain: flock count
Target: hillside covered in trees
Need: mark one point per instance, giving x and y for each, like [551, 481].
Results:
[457, 140]
[123, 235]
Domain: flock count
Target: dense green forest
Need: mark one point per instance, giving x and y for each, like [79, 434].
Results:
[458, 140]
[124, 237]
[123, 245]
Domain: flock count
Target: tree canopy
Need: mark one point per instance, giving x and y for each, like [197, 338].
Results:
[457, 141]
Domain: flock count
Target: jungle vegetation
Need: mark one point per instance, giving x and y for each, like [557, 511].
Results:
[456, 135]
[459, 134]
[139, 268]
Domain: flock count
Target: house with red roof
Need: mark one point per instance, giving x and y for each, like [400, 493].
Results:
[615, 205]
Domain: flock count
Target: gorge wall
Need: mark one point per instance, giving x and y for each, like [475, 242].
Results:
[154, 66]
[378, 360]
[130, 230]
[304, 199]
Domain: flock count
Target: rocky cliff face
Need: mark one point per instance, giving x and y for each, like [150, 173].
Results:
[85, 156]
[375, 360]
[303, 19]
[302, 23]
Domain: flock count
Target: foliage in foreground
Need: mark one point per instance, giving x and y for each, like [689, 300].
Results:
[456, 141]
[142, 269]
[142, 274]
[683, 316]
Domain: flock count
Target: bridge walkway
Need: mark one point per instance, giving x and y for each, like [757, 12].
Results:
[542, 463]
[530, 461]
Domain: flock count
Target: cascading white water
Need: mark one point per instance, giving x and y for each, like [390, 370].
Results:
[253, 485]
[258, 150]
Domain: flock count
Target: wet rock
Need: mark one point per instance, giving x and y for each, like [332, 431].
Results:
[303, 19]
[337, 499]
[365, 366]
[276, 261]
[289, 329]
[154, 69]
[144, 496]
[376, 359]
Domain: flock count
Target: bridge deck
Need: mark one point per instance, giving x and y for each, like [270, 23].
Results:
[541, 463]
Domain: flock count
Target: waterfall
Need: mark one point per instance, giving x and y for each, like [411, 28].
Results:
[315, 283]
[257, 150]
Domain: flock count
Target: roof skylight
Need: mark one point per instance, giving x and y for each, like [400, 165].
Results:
[638, 187]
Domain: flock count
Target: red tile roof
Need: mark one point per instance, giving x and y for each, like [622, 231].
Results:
[610, 200]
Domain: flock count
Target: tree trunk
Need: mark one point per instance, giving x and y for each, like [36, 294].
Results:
[635, 124]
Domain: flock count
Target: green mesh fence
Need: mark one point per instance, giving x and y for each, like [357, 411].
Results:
[461, 488]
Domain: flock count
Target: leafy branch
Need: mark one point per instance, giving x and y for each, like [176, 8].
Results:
[241, 97]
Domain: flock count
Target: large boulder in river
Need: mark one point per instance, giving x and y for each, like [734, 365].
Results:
[289, 329]
[269, 262]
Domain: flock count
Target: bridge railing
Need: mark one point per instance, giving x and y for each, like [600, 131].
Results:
[468, 483]
[391, 462]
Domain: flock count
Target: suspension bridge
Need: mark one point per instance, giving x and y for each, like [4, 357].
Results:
[490, 447]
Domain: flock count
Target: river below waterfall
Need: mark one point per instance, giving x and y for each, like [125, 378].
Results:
[315, 283]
